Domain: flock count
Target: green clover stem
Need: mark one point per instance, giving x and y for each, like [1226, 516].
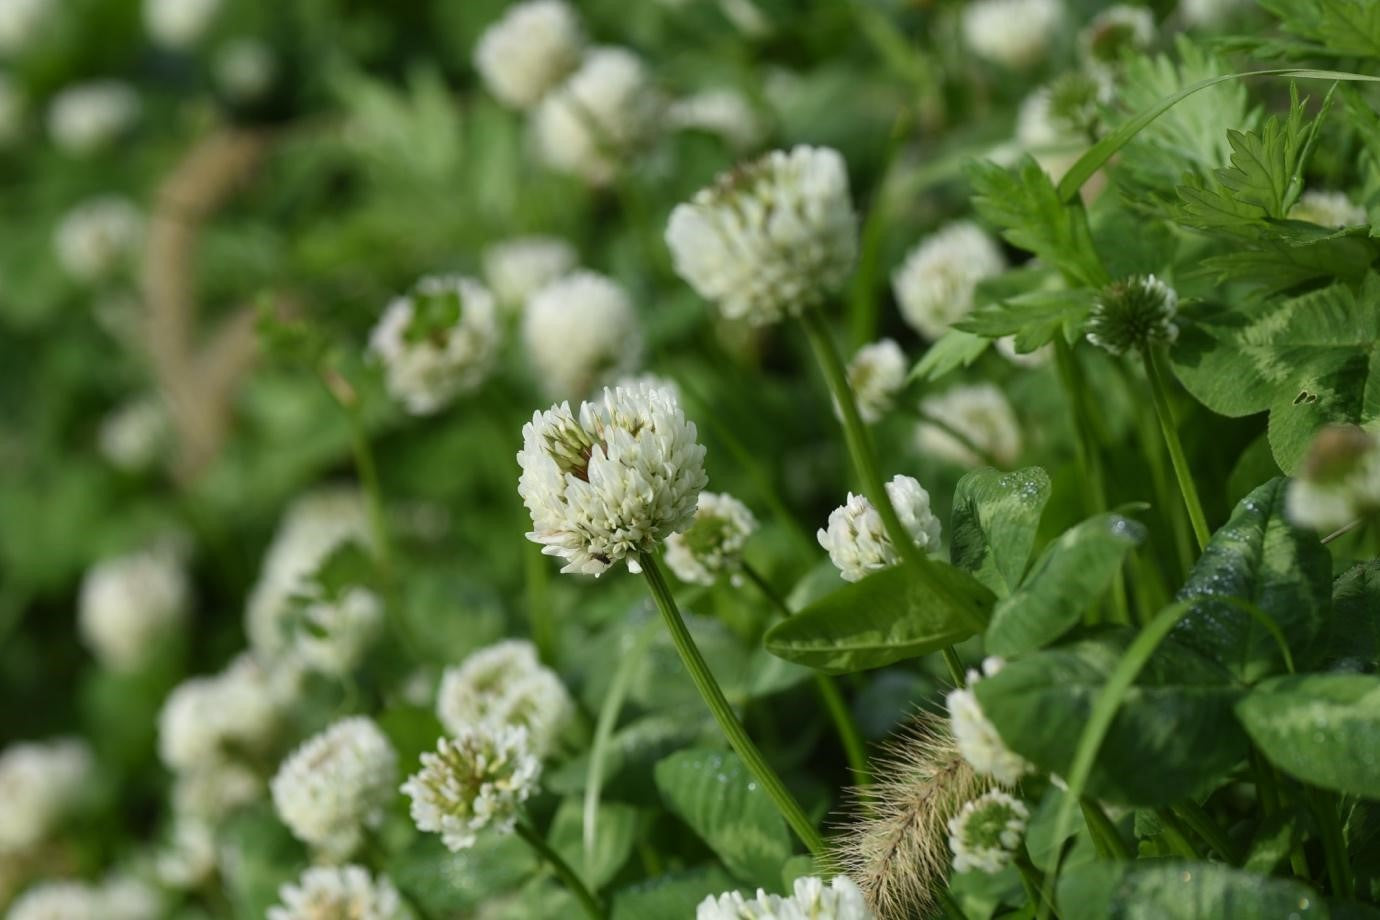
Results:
[1187, 487]
[567, 875]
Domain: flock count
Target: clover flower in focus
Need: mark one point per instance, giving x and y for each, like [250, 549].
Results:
[339, 893]
[505, 684]
[934, 285]
[1333, 210]
[611, 481]
[857, 541]
[1115, 30]
[770, 238]
[589, 125]
[530, 50]
[88, 117]
[713, 543]
[981, 413]
[517, 268]
[1133, 313]
[811, 898]
[335, 786]
[876, 374]
[977, 738]
[986, 833]
[437, 342]
[207, 719]
[1013, 33]
[40, 784]
[179, 23]
[98, 237]
[475, 781]
[129, 604]
[580, 331]
[1339, 481]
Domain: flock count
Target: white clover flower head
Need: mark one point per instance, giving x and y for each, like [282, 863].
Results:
[655, 381]
[857, 541]
[1114, 30]
[339, 893]
[1339, 481]
[244, 69]
[475, 781]
[987, 832]
[1006, 347]
[98, 237]
[179, 23]
[58, 900]
[876, 374]
[314, 526]
[712, 545]
[133, 435]
[335, 633]
[12, 107]
[126, 897]
[505, 684]
[722, 112]
[1133, 313]
[770, 238]
[1334, 210]
[88, 117]
[982, 413]
[934, 285]
[129, 604]
[20, 22]
[977, 738]
[611, 481]
[437, 342]
[1012, 33]
[810, 899]
[188, 859]
[589, 125]
[210, 792]
[525, 54]
[40, 784]
[205, 719]
[579, 332]
[516, 269]
[1208, 12]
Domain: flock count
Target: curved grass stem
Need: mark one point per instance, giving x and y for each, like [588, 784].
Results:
[1187, 487]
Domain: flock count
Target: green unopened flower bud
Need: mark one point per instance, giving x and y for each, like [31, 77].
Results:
[1133, 313]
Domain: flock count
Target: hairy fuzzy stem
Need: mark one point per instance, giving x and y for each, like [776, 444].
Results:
[1203, 824]
[714, 698]
[572, 882]
[1105, 836]
[1187, 487]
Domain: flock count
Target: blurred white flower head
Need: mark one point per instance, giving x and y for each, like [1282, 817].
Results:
[981, 413]
[63, 900]
[40, 784]
[336, 785]
[1209, 12]
[1133, 313]
[179, 23]
[811, 898]
[134, 434]
[211, 791]
[1006, 347]
[335, 633]
[1334, 210]
[98, 237]
[611, 480]
[1013, 33]
[516, 269]
[188, 858]
[1114, 30]
[339, 893]
[1339, 481]
[88, 117]
[934, 284]
[244, 69]
[769, 238]
[987, 832]
[876, 374]
[206, 719]
[590, 123]
[579, 332]
[130, 604]
[531, 49]
[474, 782]
[712, 546]
[125, 897]
[723, 112]
[1047, 139]
[977, 738]
[505, 684]
[437, 342]
[20, 21]
[857, 541]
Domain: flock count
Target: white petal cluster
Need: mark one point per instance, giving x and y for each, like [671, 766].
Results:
[607, 108]
[313, 527]
[204, 719]
[20, 21]
[65, 900]
[712, 545]
[529, 51]
[429, 362]
[90, 116]
[516, 269]
[336, 633]
[1328, 209]
[1013, 33]
[97, 237]
[129, 604]
[12, 108]
[125, 897]
[505, 684]
[134, 434]
[1339, 482]
[810, 899]
[982, 413]
[188, 859]
[40, 783]
[336, 785]
[769, 238]
[876, 374]
[244, 69]
[1115, 29]
[1133, 313]
[987, 832]
[856, 539]
[723, 112]
[339, 893]
[579, 332]
[611, 481]
[977, 738]
[934, 285]
[475, 781]
[211, 791]
[179, 23]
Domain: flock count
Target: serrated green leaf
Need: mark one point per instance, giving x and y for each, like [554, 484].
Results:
[953, 350]
[1343, 28]
[1173, 890]
[995, 516]
[1034, 318]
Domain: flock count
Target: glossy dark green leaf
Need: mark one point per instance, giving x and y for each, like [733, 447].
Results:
[995, 517]
[1353, 640]
[1173, 890]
